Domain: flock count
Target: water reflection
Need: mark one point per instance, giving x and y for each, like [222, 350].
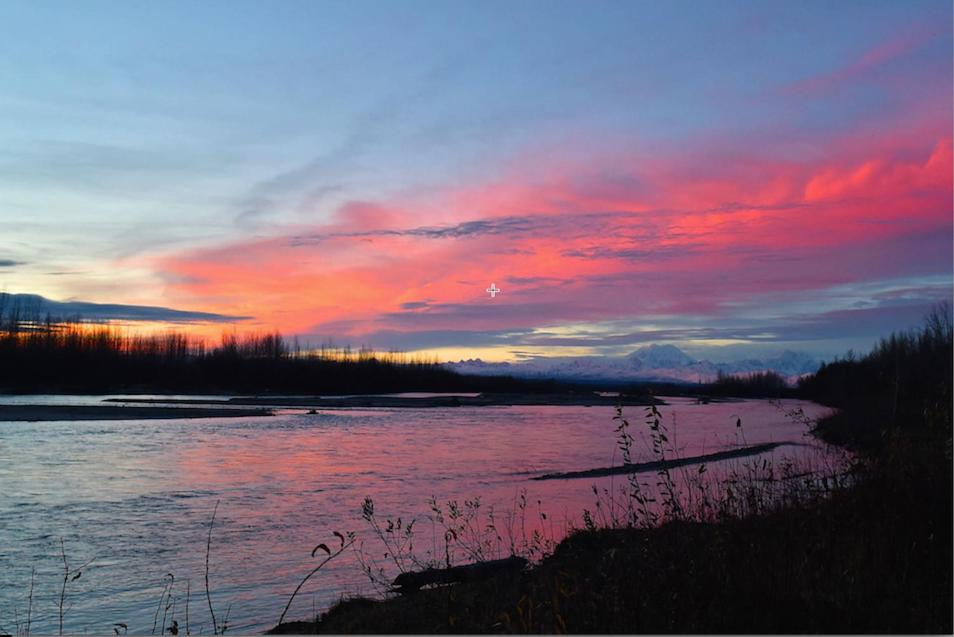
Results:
[138, 495]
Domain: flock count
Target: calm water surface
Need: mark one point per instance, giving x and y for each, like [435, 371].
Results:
[138, 495]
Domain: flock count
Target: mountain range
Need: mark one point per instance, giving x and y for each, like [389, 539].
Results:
[650, 363]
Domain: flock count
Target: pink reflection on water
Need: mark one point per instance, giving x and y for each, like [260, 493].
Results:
[140, 493]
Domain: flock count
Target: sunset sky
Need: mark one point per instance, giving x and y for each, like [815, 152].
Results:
[735, 178]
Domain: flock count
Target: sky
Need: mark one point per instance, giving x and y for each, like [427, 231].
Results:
[734, 178]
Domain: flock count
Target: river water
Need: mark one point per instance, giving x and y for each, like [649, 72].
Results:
[137, 497]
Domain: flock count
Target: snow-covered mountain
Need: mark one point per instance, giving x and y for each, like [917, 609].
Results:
[659, 357]
[653, 362]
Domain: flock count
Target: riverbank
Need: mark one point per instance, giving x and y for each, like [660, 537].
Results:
[872, 557]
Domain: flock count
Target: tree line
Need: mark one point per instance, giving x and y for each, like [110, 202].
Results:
[902, 384]
[43, 353]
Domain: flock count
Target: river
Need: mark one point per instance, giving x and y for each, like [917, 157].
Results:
[137, 497]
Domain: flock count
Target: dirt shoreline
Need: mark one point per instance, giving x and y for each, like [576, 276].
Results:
[37, 413]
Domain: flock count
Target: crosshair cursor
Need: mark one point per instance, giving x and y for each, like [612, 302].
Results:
[493, 290]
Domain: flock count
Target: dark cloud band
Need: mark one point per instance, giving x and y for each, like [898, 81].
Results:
[27, 304]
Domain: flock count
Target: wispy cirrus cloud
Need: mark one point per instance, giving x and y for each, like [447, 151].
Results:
[911, 38]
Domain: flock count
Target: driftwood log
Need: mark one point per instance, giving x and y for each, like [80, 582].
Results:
[413, 581]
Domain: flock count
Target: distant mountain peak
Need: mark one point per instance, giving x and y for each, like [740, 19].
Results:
[661, 357]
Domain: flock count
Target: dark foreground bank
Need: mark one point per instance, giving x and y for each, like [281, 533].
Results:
[872, 558]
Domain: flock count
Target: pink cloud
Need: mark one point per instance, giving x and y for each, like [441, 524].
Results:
[626, 236]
